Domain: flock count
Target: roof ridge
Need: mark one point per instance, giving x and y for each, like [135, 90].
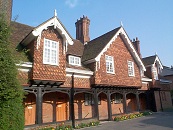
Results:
[105, 34]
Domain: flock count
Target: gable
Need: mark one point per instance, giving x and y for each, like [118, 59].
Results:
[53, 22]
[152, 60]
[96, 48]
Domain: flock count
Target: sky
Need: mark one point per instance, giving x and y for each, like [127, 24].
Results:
[149, 20]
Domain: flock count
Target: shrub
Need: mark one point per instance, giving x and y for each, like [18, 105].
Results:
[11, 93]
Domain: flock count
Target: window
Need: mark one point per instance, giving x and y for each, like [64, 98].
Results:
[89, 99]
[50, 52]
[155, 75]
[118, 98]
[73, 60]
[109, 64]
[131, 71]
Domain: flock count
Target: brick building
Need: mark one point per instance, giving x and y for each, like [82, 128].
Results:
[70, 79]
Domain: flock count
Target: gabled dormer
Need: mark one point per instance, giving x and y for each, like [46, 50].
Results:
[48, 45]
[154, 67]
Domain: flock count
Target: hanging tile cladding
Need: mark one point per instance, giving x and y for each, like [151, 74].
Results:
[121, 55]
[78, 82]
[48, 72]
[23, 77]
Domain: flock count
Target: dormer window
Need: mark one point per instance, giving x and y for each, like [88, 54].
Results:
[109, 64]
[74, 60]
[155, 74]
[50, 52]
[131, 70]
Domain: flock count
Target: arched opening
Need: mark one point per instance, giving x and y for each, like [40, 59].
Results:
[103, 106]
[131, 102]
[55, 107]
[117, 103]
[84, 105]
[30, 109]
[142, 100]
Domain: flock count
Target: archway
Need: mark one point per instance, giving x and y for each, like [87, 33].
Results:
[143, 102]
[84, 105]
[131, 102]
[103, 106]
[117, 103]
[55, 107]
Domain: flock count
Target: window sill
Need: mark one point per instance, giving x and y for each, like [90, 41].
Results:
[111, 73]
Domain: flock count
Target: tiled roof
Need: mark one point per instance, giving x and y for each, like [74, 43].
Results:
[149, 60]
[167, 71]
[18, 33]
[75, 49]
[95, 46]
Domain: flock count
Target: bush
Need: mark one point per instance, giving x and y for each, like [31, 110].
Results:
[131, 116]
[11, 93]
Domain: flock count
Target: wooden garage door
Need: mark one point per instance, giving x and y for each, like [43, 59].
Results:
[61, 110]
[30, 114]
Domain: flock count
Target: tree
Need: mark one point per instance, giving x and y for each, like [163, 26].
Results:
[11, 93]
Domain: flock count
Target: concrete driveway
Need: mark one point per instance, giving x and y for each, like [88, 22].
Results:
[156, 121]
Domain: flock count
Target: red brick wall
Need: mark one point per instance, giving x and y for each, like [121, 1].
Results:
[145, 86]
[148, 72]
[121, 55]
[49, 72]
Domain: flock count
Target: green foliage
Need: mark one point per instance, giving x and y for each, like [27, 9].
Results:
[131, 116]
[11, 93]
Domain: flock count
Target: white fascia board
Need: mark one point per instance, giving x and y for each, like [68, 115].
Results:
[25, 64]
[147, 79]
[129, 45]
[57, 25]
[78, 71]
[160, 64]
[79, 76]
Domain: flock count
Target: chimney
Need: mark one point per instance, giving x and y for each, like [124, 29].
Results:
[82, 29]
[6, 9]
[136, 44]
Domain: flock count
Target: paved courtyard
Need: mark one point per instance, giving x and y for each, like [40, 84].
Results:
[156, 121]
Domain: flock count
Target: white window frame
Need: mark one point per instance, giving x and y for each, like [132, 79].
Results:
[131, 69]
[48, 59]
[74, 60]
[109, 62]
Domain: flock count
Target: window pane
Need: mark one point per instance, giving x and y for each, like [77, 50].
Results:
[50, 52]
[109, 64]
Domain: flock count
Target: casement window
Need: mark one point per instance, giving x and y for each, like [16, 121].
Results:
[131, 70]
[89, 99]
[155, 74]
[50, 52]
[118, 98]
[73, 60]
[109, 64]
